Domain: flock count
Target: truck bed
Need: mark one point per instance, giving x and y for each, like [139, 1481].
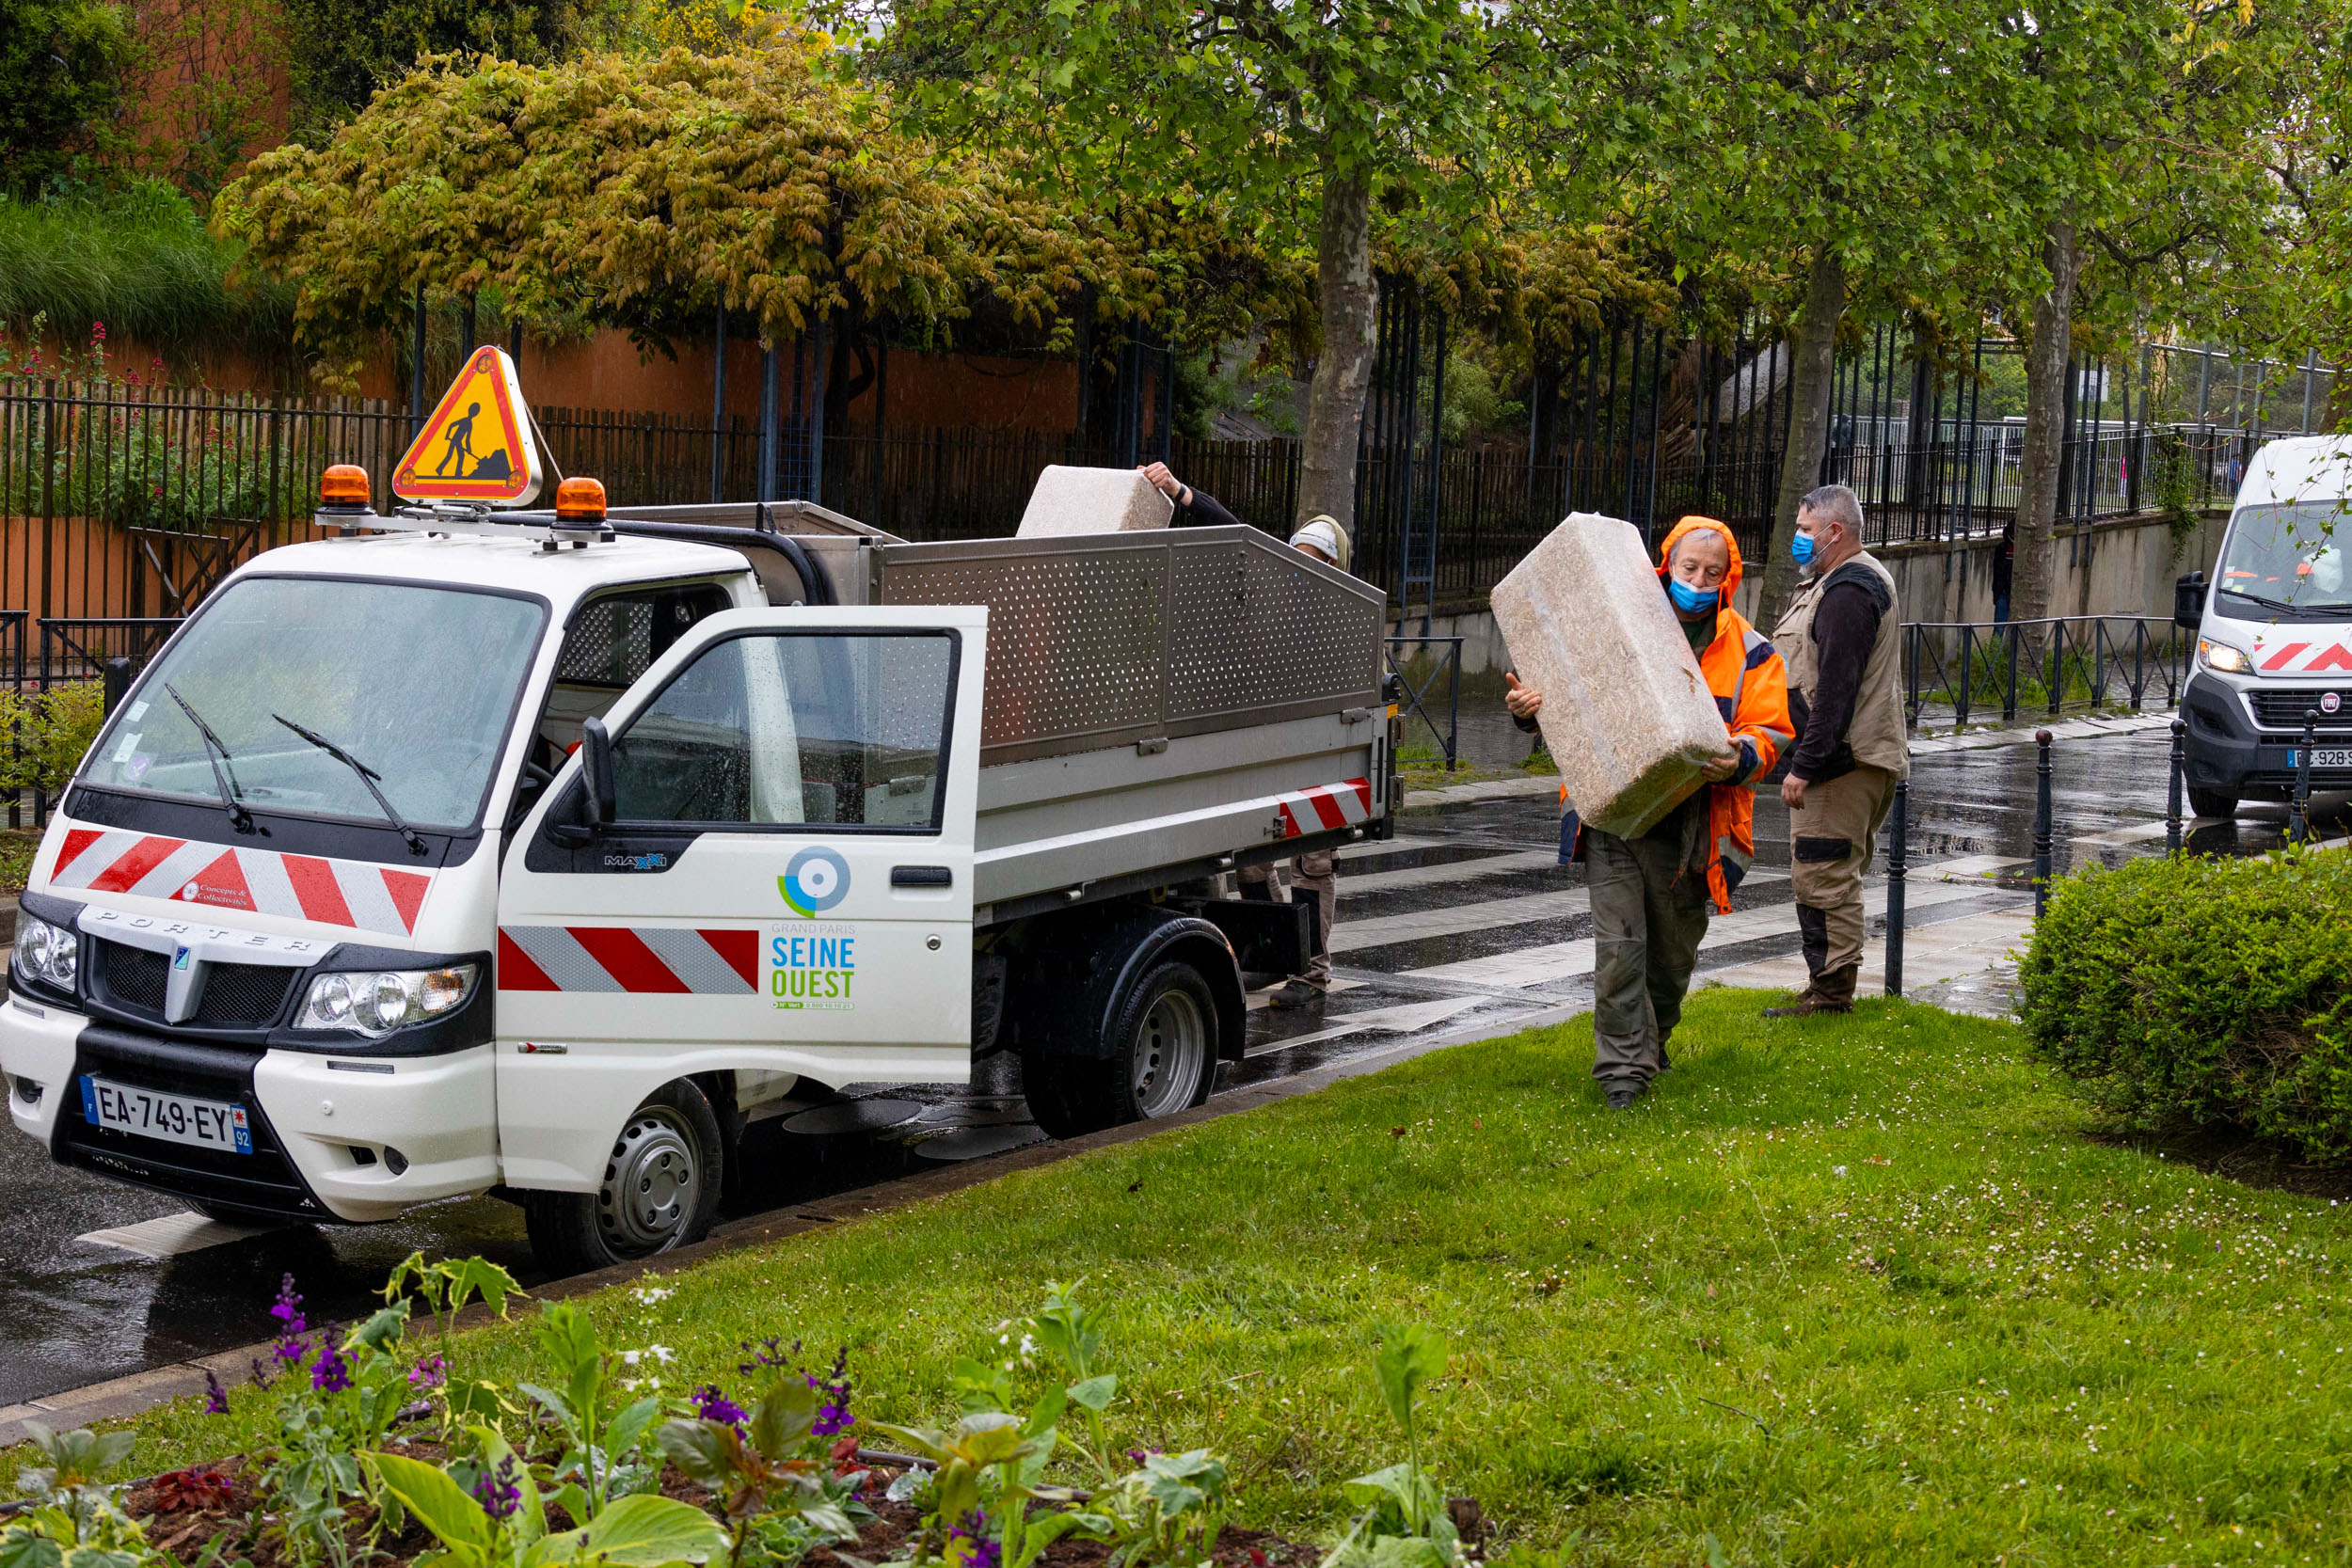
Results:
[1158, 705]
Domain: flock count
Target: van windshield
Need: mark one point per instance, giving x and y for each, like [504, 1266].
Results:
[2290, 556]
[418, 684]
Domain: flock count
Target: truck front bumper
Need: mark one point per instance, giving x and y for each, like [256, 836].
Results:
[2228, 754]
[332, 1139]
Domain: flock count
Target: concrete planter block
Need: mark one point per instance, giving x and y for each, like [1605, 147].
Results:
[1627, 715]
[1092, 500]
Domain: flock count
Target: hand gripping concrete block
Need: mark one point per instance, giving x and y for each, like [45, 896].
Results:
[1627, 716]
[1092, 500]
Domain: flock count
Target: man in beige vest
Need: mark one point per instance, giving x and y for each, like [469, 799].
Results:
[1842, 640]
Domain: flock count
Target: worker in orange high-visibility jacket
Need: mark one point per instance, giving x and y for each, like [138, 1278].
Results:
[1650, 895]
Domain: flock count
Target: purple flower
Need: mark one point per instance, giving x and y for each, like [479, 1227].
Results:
[712, 1405]
[768, 1353]
[500, 1492]
[832, 1415]
[287, 1310]
[430, 1373]
[332, 1375]
[216, 1396]
[981, 1550]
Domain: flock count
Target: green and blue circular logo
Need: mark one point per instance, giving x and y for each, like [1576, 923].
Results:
[816, 880]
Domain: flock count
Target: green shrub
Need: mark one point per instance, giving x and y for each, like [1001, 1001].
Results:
[2205, 990]
[53, 730]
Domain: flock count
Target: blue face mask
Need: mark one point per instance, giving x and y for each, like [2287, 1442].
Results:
[1692, 601]
[1802, 547]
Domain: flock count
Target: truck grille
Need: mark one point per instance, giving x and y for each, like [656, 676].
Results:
[2285, 710]
[134, 979]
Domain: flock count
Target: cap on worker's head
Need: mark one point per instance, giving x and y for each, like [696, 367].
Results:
[1325, 534]
[1691, 525]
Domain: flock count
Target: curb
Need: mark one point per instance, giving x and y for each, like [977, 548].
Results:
[118, 1399]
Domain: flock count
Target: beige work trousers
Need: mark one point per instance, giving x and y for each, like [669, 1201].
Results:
[1830, 845]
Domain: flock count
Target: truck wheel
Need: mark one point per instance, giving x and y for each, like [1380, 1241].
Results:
[660, 1188]
[2211, 803]
[1163, 1059]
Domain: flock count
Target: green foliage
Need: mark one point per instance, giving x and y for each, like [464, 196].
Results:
[62, 69]
[633, 1532]
[2203, 991]
[779, 1495]
[54, 731]
[600, 1449]
[345, 52]
[2175, 490]
[136, 258]
[332, 1412]
[74, 1521]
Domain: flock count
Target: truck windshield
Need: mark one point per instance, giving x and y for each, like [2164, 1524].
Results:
[2290, 556]
[416, 684]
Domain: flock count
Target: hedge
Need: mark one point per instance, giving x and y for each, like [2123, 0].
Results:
[2210, 992]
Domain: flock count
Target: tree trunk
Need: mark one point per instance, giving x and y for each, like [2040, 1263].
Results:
[2048, 357]
[1811, 379]
[1350, 301]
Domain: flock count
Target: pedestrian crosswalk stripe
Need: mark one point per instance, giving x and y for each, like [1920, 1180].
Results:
[1451, 871]
[1353, 935]
[1554, 962]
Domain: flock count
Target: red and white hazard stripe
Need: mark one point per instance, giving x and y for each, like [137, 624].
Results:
[660, 960]
[1326, 807]
[355, 894]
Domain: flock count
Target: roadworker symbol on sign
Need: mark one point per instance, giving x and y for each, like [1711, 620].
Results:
[477, 446]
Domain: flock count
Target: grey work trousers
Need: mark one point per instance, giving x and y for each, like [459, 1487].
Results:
[1649, 912]
[1311, 873]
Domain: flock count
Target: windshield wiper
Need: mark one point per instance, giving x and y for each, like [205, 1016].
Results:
[217, 754]
[367, 776]
[2274, 604]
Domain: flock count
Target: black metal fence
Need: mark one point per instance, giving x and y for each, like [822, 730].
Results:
[131, 501]
[1979, 671]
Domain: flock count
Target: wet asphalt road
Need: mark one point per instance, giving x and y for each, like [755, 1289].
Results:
[1467, 884]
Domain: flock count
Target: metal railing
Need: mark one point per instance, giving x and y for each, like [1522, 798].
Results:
[1420, 694]
[2039, 667]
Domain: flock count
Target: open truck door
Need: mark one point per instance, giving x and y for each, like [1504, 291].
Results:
[759, 866]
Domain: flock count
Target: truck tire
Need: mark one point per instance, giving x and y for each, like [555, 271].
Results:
[2211, 803]
[1162, 1059]
[660, 1188]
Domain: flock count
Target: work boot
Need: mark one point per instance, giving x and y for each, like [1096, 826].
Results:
[1294, 994]
[1832, 993]
[1622, 1100]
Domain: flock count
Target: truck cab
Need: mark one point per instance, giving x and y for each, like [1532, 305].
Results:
[2274, 632]
[533, 855]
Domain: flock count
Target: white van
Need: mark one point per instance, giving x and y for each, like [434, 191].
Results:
[2274, 632]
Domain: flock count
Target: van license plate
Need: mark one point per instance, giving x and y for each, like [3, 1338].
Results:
[2337, 758]
[174, 1118]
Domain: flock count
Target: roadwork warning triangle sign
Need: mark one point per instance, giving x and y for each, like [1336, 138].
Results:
[477, 446]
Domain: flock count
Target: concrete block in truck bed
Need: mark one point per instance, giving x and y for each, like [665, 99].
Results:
[1092, 500]
[1627, 715]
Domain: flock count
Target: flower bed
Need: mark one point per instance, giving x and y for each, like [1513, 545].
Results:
[391, 1453]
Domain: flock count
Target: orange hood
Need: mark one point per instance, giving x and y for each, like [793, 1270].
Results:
[1687, 525]
[1690, 523]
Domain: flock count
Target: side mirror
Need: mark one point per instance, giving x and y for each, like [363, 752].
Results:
[595, 762]
[2188, 601]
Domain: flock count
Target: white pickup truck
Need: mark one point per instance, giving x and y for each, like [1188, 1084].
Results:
[508, 852]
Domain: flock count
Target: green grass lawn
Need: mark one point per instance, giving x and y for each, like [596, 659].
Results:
[1840, 1291]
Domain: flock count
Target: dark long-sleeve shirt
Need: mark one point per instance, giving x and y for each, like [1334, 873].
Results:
[1203, 510]
[1845, 626]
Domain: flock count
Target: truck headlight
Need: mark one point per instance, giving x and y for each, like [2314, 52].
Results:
[48, 953]
[2222, 656]
[376, 1004]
